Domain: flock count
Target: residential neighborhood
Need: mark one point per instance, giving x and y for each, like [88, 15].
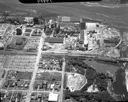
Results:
[62, 59]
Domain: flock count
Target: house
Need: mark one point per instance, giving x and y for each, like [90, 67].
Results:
[64, 18]
[28, 19]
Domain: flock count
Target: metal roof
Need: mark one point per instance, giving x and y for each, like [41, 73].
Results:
[53, 40]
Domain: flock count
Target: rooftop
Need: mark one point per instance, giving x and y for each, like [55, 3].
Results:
[53, 40]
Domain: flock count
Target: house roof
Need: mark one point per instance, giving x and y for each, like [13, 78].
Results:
[91, 20]
[53, 40]
[68, 19]
[53, 97]
[82, 36]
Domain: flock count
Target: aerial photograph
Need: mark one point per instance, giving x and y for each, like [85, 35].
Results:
[53, 51]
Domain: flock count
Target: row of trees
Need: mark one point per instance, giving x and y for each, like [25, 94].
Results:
[93, 77]
[112, 1]
[115, 1]
[90, 97]
[99, 79]
[7, 18]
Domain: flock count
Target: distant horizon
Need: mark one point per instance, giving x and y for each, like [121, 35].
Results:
[117, 16]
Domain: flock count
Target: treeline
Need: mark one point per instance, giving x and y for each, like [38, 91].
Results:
[93, 78]
[115, 1]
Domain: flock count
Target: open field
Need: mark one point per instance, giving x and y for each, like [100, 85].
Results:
[103, 67]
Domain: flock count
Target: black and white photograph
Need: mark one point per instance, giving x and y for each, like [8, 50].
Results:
[63, 50]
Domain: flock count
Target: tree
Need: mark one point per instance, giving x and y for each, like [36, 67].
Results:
[90, 73]
[36, 20]
[123, 1]
[41, 19]
[101, 81]
[5, 14]
[112, 1]
[18, 31]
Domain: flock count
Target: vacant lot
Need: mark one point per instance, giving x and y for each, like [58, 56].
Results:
[49, 76]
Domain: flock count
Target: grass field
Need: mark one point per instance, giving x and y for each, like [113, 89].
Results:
[103, 67]
[49, 76]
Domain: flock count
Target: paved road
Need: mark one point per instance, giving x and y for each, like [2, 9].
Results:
[126, 78]
[51, 71]
[45, 92]
[62, 80]
[36, 68]
[95, 56]
[17, 69]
